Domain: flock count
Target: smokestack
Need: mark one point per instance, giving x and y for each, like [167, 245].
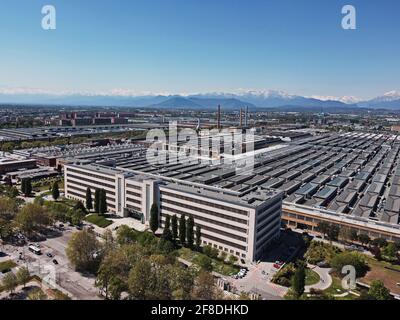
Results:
[219, 117]
[246, 117]
[241, 117]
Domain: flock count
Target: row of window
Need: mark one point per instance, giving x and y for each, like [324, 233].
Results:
[206, 203]
[133, 200]
[134, 194]
[202, 218]
[134, 208]
[203, 227]
[275, 226]
[213, 213]
[90, 181]
[265, 223]
[109, 194]
[90, 175]
[267, 210]
[224, 249]
[132, 186]
[82, 197]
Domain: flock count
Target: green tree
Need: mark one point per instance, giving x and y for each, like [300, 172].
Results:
[82, 251]
[32, 217]
[232, 259]
[97, 200]
[198, 236]
[154, 218]
[89, 202]
[7, 147]
[102, 201]
[299, 280]
[23, 185]
[23, 276]
[79, 206]
[174, 227]
[378, 291]
[354, 259]
[10, 282]
[333, 232]
[77, 216]
[323, 228]
[55, 191]
[182, 229]
[113, 273]
[222, 256]
[204, 288]
[141, 281]
[380, 242]
[167, 234]
[190, 232]
[364, 239]
[26, 186]
[210, 252]
[390, 250]
[117, 286]
[125, 235]
[205, 263]
[37, 294]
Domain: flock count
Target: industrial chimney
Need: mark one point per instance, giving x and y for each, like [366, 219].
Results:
[219, 118]
[246, 117]
[241, 117]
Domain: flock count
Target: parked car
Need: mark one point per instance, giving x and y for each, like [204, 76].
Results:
[55, 261]
[49, 254]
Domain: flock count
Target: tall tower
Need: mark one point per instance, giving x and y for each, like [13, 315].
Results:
[246, 115]
[219, 118]
[241, 117]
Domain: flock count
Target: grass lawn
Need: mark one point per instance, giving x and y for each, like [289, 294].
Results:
[336, 286]
[218, 265]
[378, 272]
[99, 221]
[9, 264]
[311, 277]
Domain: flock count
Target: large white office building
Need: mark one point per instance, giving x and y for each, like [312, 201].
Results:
[241, 224]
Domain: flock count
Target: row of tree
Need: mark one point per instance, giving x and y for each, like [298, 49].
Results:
[184, 230]
[100, 200]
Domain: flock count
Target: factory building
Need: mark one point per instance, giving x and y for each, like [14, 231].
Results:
[242, 224]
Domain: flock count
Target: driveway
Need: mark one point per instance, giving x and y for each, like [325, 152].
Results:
[258, 280]
[325, 279]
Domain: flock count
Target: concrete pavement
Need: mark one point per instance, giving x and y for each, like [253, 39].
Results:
[325, 279]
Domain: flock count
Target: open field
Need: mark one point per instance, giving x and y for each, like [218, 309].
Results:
[379, 270]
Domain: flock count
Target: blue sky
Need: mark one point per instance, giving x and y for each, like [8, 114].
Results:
[178, 46]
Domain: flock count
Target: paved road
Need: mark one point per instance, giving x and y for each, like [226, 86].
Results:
[325, 279]
[258, 280]
[78, 286]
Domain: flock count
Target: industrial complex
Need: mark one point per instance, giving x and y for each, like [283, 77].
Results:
[346, 179]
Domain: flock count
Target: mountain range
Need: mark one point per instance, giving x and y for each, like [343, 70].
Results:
[251, 98]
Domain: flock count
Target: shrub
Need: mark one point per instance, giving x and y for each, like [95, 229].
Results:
[354, 259]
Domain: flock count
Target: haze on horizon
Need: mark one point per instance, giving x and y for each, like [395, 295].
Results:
[178, 46]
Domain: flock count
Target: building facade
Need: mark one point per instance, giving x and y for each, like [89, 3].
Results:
[239, 224]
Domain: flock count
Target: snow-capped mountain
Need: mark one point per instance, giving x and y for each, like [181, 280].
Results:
[229, 100]
[389, 100]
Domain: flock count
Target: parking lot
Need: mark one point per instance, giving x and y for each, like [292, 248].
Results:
[258, 277]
